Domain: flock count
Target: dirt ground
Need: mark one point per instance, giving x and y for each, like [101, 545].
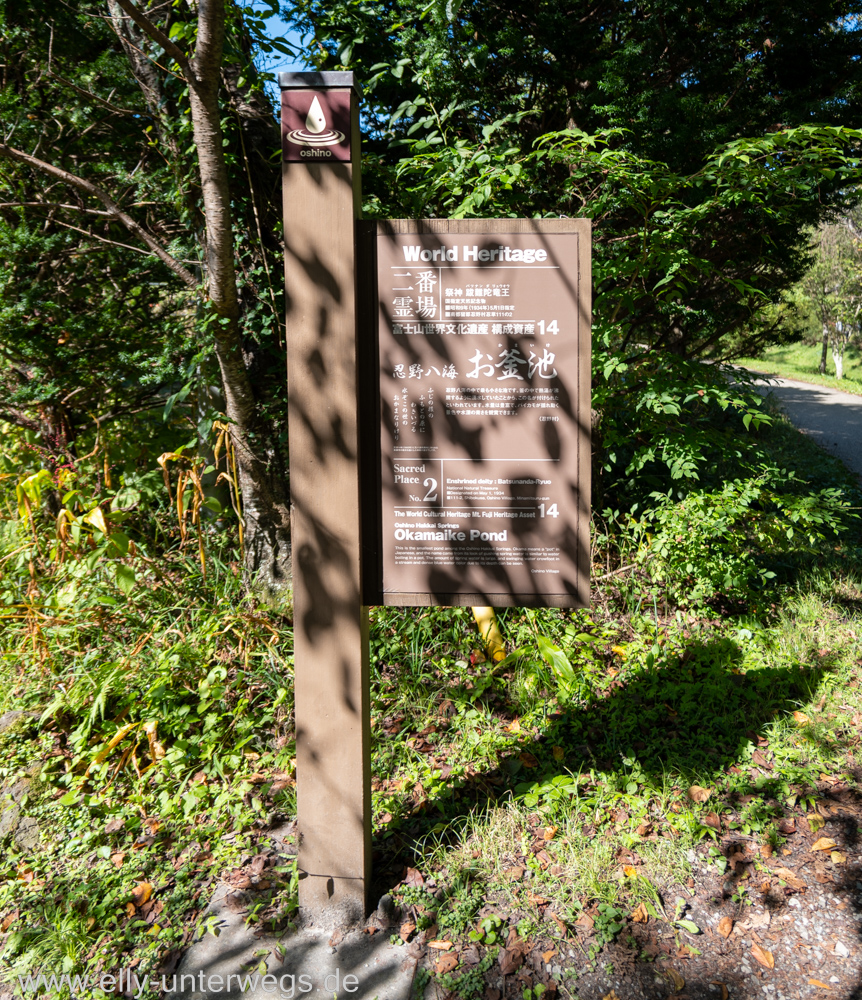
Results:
[795, 932]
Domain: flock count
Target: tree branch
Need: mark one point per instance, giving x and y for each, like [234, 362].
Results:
[92, 97]
[103, 239]
[54, 204]
[84, 185]
[158, 36]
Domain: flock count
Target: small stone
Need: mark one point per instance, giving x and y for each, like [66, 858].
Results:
[27, 837]
[841, 950]
[834, 979]
[8, 720]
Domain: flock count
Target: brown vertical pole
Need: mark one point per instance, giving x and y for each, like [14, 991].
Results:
[321, 180]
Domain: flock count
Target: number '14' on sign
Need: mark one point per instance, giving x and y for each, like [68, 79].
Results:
[552, 511]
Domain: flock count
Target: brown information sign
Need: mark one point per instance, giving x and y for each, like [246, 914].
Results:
[484, 355]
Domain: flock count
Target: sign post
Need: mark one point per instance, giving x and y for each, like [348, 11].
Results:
[321, 179]
[439, 409]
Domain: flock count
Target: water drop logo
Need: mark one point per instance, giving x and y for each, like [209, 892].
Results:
[316, 132]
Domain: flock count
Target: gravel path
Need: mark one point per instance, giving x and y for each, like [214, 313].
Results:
[831, 418]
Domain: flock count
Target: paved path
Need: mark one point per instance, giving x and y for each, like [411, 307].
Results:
[831, 418]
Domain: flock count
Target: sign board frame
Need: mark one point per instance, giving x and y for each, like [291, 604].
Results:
[573, 286]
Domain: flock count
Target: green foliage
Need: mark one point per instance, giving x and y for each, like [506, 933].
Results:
[93, 328]
[488, 930]
[801, 361]
[699, 198]
[469, 984]
[714, 542]
[608, 922]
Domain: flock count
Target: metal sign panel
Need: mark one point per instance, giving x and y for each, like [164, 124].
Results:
[315, 125]
[484, 350]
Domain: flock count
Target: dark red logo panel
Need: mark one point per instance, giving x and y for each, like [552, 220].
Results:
[315, 125]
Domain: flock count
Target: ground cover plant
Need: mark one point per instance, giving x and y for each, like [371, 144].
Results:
[801, 361]
[560, 800]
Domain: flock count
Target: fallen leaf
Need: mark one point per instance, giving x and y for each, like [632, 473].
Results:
[370, 930]
[118, 859]
[699, 794]
[406, 929]
[560, 925]
[141, 893]
[535, 900]
[585, 922]
[786, 875]
[413, 876]
[514, 726]
[130, 909]
[543, 858]
[817, 982]
[823, 844]
[611, 996]
[549, 832]
[514, 874]
[787, 825]
[800, 718]
[724, 994]
[8, 920]
[440, 945]
[712, 820]
[640, 915]
[763, 956]
[548, 955]
[446, 963]
[815, 821]
[510, 960]
[620, 651]
[528, 760]
[725, 926]
[644, 829]
[838, 858]
[676, 979]
[629, 870]
[115, 825]
[559, 753]
[757, 920]
[766, 850]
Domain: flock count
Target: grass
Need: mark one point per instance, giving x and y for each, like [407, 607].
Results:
[802, 362]
[573, 780]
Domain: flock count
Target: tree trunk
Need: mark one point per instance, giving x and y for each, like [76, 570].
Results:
[838, 358]
[261, 471]
[825, 347]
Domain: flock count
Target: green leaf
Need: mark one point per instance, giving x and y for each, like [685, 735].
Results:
[125, 578]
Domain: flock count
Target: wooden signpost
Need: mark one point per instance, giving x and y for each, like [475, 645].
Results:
[439, 407]
[321, 204]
